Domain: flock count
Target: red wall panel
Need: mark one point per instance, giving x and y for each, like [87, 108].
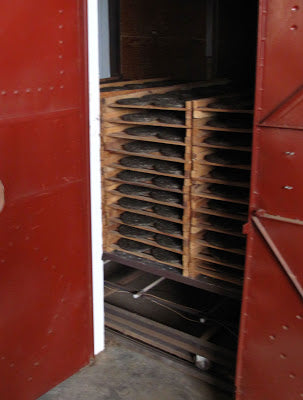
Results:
[45, 261]
[270, 350]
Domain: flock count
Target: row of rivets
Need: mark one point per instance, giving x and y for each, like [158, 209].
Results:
[282, 355]
[51, 88]
[294, 9]
[290, 154]
[28, 90]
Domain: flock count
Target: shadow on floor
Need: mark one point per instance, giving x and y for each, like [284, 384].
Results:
[123, 372]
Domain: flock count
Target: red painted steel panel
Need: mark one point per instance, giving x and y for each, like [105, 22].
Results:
[280, 48]
[270, 365]
[270, 355]
[280, 172]
[45, 261]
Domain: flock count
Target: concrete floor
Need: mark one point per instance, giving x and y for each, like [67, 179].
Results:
[125, 372]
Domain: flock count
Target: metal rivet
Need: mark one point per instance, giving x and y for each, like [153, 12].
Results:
[36, 364]
[61, 11]
[60, 56]
[62, 72]
[28, 90]
[39, 89]
[60, 26]
[301, 395]
[295, 8]
[60, 41]
[287, 187]
[293, 27]
[12, 365]
[290, 153]
[51, 88]
[16, 91]
[272, 337]
[285, 327]
[62, 87]
[30, 379]
[3, 92]
[292, 376]
[299, 316]
[283, 356]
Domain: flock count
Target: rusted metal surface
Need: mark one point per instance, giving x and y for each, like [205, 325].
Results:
[270, 352]
[45, 307]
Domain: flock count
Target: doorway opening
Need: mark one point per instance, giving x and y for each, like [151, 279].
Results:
[177, 100]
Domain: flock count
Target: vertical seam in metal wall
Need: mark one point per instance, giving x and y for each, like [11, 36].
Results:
[247, 282]
[95, 175]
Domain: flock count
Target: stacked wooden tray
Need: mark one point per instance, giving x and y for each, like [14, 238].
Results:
[222, 134]
[176, 178]
[146, 157]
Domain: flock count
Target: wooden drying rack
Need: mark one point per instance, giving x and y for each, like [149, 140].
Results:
[195, 261]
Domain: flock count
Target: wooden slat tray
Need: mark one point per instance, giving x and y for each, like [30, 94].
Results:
[199, 154]
[141, 184]
[201, 124]
[203, 162]
[198, 243]
[209, 258]
[146, 256]
[121, 121]
[209, 211]
[216, 273]
[153, 139]
[222, 147]
[201, 223]
[147, 213]
[145, 228]
[202, 173]
[151, 171]
[149, 155]
[147, 199]
[200, 137]
[148, 107]
[201, 106]
[152, 243]
[219, 181]
[214, 261]
[199, 191]
[222, 110]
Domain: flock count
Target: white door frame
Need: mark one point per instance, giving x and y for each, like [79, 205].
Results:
[95, 175]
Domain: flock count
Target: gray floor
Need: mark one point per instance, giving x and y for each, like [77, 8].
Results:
[125, 372]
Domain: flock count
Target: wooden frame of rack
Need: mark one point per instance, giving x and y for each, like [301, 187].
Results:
[201, 260]
[113, 139]
[196, 260]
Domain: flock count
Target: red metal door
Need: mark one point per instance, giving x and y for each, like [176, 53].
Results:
[270, 360]
[45, 296]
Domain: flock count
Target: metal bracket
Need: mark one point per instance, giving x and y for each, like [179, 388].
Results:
[266, 236]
